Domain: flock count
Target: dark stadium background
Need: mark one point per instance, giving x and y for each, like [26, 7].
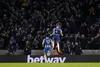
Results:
[24, 23]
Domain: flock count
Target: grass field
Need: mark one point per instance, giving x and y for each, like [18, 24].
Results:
[50, 65]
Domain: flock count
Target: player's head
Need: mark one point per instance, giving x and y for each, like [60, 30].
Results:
[47, 35]
[58, 25]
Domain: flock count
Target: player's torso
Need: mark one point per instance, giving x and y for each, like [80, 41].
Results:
[57, 31]
[47, 42]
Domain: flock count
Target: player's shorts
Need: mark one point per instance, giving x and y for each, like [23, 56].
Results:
[46, 50]
[56, 38]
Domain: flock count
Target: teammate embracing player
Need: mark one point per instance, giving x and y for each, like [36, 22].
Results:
[57, 32]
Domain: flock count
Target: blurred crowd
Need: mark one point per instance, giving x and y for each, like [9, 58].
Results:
[23, 23]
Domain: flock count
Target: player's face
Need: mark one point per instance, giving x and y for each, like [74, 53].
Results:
[57, 26]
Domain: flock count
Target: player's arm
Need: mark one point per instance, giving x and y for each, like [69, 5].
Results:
[61, 33]
[43, 43]
[52, 45]
[53, 32]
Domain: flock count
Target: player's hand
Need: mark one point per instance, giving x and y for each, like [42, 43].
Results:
[51, 34]
[62, 34]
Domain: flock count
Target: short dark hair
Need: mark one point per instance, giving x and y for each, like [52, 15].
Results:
[47, 35]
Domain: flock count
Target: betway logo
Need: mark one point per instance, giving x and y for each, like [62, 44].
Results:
[42, 59]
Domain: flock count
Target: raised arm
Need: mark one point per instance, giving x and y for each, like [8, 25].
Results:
[61, 33]
[53, 32]
[43, 43]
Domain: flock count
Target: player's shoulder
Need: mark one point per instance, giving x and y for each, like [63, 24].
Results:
[48, 38]
[59, 28]
[54, 28]
[44, 39]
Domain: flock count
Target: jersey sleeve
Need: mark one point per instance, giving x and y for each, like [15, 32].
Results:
[60, 30]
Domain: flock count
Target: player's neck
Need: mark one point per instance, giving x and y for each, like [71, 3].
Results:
[57, 27]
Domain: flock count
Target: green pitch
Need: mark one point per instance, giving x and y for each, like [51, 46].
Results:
[50, 65]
